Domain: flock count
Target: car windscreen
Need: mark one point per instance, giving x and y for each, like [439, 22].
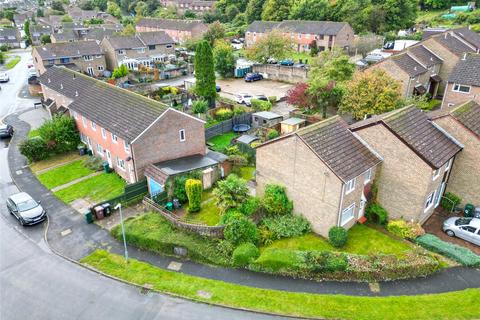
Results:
[27, 205]
[462, 221]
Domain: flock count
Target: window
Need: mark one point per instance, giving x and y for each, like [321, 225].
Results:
[182, 135]
[98, 56]
[460, 88]
[307, 36]
[88, 58]
[436, 173]
[299, 36]
[51, 61]
[99, 149]
[169, 46]
[84, 122]
[126, 146]
[350, 186]
[322, 37]
[429, 201]
[151, 47]
[367, 176]
[469, 229]
[94, 126]
[121, 51]
[114, 138]
[141, 50]
[64, 60]
[75, 114]
[347, 214]
[100, 68]
[449, 164]
[121, 163]
[104, 134]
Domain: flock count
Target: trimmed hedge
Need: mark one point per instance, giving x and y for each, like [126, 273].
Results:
[405, 230]
[244, 254]
[337, 236]
[460, 254]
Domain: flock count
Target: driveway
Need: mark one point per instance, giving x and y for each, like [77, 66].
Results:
[230, 87]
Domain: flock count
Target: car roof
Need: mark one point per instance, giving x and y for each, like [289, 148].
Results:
[20, 197]
[475, 222]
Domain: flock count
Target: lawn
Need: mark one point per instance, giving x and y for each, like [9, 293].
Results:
[99, 188]
[220, 142]
[12, 62]
[452, 305]
[361, 240]
[64, 174]
[54, 161]
[247, 173]
[209, 213]
[296, 56]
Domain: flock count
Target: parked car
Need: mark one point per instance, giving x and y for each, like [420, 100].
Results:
[243, 98]
[25, 209]
[287, 62]
[6, 131]
[4, 77]
[250, 77]
[218, 88]
[467, 229]
[272, 61]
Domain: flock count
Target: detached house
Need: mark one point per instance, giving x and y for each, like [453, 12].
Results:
[129, 131]
[326, 34]
[83, 56]
[178, 30]
[141, 49]
[326, 170]
[418, 156]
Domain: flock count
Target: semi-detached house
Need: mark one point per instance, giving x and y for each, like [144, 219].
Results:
[179, 30]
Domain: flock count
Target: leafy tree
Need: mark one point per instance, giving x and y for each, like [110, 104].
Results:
[120, 72]
[100, 4]
[215, 32]
[189, 14]
[58, 6]
[254, 10]
[86, 5]
[224, 58]
[114, 9]
[275, 200]
[298, 96]
[199, 106]
[60, 134]
[170, 12]
[34, 149]
[231, 12]
[204, 72]
[26, 29]
[309, 10]
[45, 38]
[230, 193]
[400, 14]
[276, 10]
[140, 8]
[67, 18]
[129, 30]
[370, 93]
[194, 189]
[272, 45]
[314, 48]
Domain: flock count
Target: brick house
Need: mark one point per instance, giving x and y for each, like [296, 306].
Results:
[141, 49]
[464, 82]
[178, 30]
[83, 56]
[129, 131]
[463, 123]
[326, 170]
[417, 160]
[327, 34]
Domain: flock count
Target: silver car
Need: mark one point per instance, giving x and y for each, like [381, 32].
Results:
[465, 228]
[26, 209]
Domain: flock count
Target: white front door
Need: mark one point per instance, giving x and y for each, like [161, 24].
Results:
[109, 158]
[440, 191]
[361, 210]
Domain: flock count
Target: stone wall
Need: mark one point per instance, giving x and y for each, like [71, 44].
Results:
[281, 73]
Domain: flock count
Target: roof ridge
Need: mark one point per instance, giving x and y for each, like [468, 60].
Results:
[317, 125]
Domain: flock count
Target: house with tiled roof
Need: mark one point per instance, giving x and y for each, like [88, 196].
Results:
[11, 38]
[327, 34]
[463, 123]
[464, 82]
[37, 31]
[127, 130]
[83, 56]
[178, 30]
[326, 169]
[140, 49]
[418, 156]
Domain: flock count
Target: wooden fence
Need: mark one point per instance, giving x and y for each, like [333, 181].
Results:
[227, 125]
[132, 192]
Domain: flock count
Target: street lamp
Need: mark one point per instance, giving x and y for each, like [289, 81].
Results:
[119, 206]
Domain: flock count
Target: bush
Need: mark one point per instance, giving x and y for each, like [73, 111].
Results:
[375, 213]
[404, 229]
[120, 72]
[179, 191]
[272, 99]
[450, 201]
[34, 149]
[223, 114]
[94, 163]
[286, 226]
[3, 48]
[250, 206]
[450, 250]
[238, 160]
[274, 260]
[199, 106]
[275, 200]
[272, 134]
[241, 230]
[194, 190]
[260, 105]
[229, 216]
[230, 193]
[245, 254]
[325, 261]
[337, 236]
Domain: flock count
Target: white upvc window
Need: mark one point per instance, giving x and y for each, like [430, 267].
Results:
[114, 138]
[350, 186]
[126, 146]
[461, 88]
[104, 134]
[88, 58]
[84, 121]
[182, 134]
[99, 149]
[429, 202]
[347, 214]
[436, 173]
[449, 164]
[121, 51]
[100, 68]
[94, 126]
[367, 176]
[140, 50]
[121, 164]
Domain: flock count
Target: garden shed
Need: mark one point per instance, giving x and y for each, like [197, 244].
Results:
[291, 124]
[265, 119]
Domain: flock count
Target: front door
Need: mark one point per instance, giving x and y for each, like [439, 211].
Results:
[109, 158]
[361, 210]
[440, 191]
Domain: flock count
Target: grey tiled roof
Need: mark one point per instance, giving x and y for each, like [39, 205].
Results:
[408, 64]
[139, 40]
[298, 26]
[170, 24]
[262, 26]
[120, 111]
[452, 43]
[467, 71]
[68, 49]
[469, 35]
[338, 147]
[156, 37]
[424, 56]
[469, 115]
[124, 42]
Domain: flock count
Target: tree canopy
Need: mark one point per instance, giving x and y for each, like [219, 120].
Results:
[224, 58]
[215, 31]
[276, 10]
[271, 45]
[204, 72]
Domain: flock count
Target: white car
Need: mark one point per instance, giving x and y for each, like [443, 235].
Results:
[465, 228]
[243, 98]
[4, 77]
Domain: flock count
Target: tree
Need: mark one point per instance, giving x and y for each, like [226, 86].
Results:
[275, 200]
[230, 193]
[140, 8]
[67, 18]
[26, 29]
[204, 72]
[254, 10]
[370, 93]
[215, 31]
[400, 14]
[298, 96]
[314, 48]
[272, 45]
[170, 12]
[120, 72]
[193, 188]
[189, 14]
[276, 10]
[58, 6]
[45, 38]
[224, 58]
[309, 10]
[40, 12]
[129, 30]
[114, 9]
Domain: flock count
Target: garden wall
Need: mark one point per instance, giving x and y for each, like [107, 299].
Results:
[227, 125]
[282, 73]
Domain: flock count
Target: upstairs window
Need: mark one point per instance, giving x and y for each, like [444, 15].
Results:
[121, 51]
[94, 126]
[104, 134]
[449, 164]
[84, 120]
[182, 135]
[151, 47]
[367, 176]
[114, 138]
[461, 88]
[141, 50]
[430, 200]
[126, 146]
[350, 186]
[436, 173]
[88, 58]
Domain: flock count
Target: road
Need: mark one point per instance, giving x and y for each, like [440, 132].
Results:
[37, 284]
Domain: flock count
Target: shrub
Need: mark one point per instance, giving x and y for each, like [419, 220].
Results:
[404, 229]
[241, 230]
[238, 110]
[250, 206]
[325, 261]
[223, 114]
[272, 134]
[94, 163]
[199, 106]
[273, 259]
[375, 213]
[272, 99]
[230, 193]
[238, 160]
[337, 236]
[229, 216]
[275, 200]
[194, 190]
[120, 72]
[260, 105]
[60, 134]
[233, 150]
[179, 191]
[286, 226]
[450, 201]
[450, 250]
[225, 248]
[34, 149]
[244, 254]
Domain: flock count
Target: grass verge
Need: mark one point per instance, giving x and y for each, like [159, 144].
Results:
[12, 62]
[64, 174]
[454, 305]
[54, 161]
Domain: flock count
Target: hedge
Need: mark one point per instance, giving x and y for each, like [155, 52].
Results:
[244, 254]
[460, 254]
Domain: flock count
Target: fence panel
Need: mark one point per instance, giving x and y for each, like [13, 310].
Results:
[227, 125]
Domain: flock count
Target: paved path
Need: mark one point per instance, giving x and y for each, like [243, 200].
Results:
[85, 238]
[66, 185]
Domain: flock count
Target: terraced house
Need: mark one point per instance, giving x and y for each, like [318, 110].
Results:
[178, 30]
[129, 131]
[83, 56]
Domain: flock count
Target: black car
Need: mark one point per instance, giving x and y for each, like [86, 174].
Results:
[6, 131]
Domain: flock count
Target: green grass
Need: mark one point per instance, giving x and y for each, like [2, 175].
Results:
[209, 213]
[247, 173]
[220, 142]
[54, 161]
[452, 305]
[12, 62]
[33, 133]
[302, 55]
[102, 187]
[64, 174]
[361, 240]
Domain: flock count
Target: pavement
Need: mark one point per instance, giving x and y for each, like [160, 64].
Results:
[70, 236]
